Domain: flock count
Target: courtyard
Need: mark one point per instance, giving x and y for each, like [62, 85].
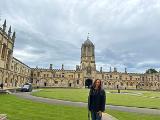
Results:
[20, 107]
[133, 98]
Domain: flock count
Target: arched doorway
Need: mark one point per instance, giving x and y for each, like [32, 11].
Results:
[88, 83]
[45, 84]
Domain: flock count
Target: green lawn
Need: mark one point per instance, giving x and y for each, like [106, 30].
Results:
[21, 109]
[132, 116]
[148, 99]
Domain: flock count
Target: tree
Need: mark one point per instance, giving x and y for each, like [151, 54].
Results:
[150, 71]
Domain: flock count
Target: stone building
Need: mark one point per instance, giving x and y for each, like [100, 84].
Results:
[150, 81]
[85, 74]
[14, 73]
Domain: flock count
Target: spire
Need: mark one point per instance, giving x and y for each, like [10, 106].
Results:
[88, 36]
[50, 67]
[115, 69]
[13, 36]
[62, 67]
[100, 69]
[125, 70]
[9, 32]
[4, 26]
[110, 69]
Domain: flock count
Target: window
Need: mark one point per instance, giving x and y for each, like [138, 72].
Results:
[152, 78]
[4, 50]
[71, 76]
[102, 76]
[78, 75]
[120, 77]
[77, 81]
[56, 82]
[110, 76]
[38, 74]
[130, 77]
[62, 74]
[53, 75]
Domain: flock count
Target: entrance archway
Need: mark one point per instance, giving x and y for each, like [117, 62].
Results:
[45, 84]
[88, 83]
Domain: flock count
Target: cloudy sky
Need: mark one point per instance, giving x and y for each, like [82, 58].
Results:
[125, 33]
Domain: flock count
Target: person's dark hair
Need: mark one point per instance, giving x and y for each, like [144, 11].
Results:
[94, 84]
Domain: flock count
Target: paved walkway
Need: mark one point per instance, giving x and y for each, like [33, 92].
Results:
[106, 116]
[3, 117]
[82, 104]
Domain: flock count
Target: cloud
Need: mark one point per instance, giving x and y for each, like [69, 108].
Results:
[125, 34]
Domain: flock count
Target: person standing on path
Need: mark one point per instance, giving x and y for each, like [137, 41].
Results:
[96, 100]
[1, 85]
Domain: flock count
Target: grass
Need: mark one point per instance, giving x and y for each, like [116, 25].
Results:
[21, 109]
[146, 99]
[132, 116]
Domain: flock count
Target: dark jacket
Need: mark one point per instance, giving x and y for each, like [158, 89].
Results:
[96, 100]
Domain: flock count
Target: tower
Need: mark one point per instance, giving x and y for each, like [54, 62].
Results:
[88, 56]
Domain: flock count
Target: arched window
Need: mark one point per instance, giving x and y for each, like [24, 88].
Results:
[4, 50]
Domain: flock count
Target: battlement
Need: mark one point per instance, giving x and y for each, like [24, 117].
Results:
[21, 62]
[55, 70]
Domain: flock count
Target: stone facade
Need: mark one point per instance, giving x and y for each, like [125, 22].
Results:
[86, 73]
[14, 73]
